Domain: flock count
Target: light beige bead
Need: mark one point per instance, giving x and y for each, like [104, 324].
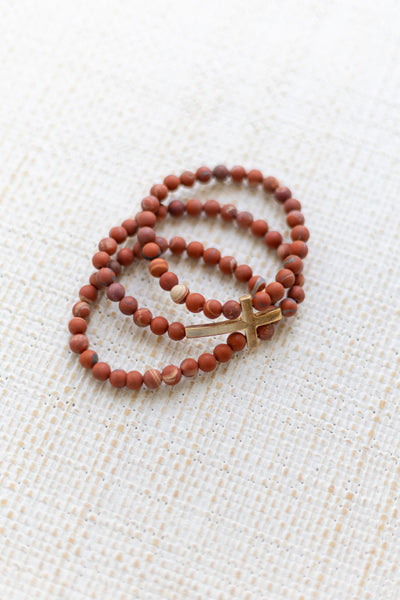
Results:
[179, 293]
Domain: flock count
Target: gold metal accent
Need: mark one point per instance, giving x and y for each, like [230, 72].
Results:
[247, 322]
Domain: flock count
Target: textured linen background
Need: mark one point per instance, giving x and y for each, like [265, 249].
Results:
[278, 475]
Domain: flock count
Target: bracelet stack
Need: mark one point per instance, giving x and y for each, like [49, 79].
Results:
[279, 298]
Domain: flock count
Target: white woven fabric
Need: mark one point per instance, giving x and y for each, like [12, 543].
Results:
[277, 476]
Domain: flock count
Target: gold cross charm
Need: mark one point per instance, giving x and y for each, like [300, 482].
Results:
[247, 322]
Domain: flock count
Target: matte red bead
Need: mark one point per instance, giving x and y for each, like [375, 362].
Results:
[160, 191]
[101, 371]
[212, 208]
[81, 309]
[300, 232]
[172, 182]
[228, 212]
[134, 380]
[254, 177]
[131, 226]
[237, 341]
[270, 184]
[222, 352]
[77, 325]
[212, 309]
[119, 234]
[259, 227]
[142, 317]
[100, 259]
[195, 302]
[187, 178]
[168, 281]
[295, 217]
[299, 248]
[227, 264]
[297, 294]
[146, 219]
[108, 245]
[176, 331]
[146, 235]
[189, 367]
[221, 172]
[150, 203]
[286, 277]
[243, 273]
[238, 174]
[88, 358]
[128, 305]
[288, 307]
[125, 257]
[273, 239]
[294, 263]
[211, 256]
[194, 207]
[159, 325]
[282, 194]
[171, 375]
[177, 245]
[207, 362]
[79, 343]
[244, 219]
[231, 309]
[88, 293]
[275, 290]
[195, 250]
[115, 292]
[118, 378]
[203, 174]
[261, 301]
[176, 208]
[265, 332]
[150, 251]
[152, 379]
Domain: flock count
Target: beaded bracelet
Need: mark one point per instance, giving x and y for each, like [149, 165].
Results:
[240, 315]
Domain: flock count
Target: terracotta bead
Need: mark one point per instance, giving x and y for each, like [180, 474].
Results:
[275, 291]
[282, 194]
[299, 248]
[211, 256]
[79, 343]
[288, 307]
[231, 309]
[168, 281]
[286, 277]
[177, 245]
[244, 219]
[101, 371]
[273, 239]
[238, 174]
[146, 235]
[300, 232]
[237, 341]
[176, 208]
[283, 250]
[128, 305]
[299, 279]
[254, 177]
[115, 292]
[179, 293]
[134, 380]
[211, 208]
[194, 207]
[294, 263]
[118, 378]
[176, 331]
[222, 352]
[162, 243]
[261, 301]
[115, 266]
[291, 204]
[227, 264]
[270, 184]
[137, 250]
[88, 293]
[81, 309]
[160, 191]
[150, 251]
[152, 379]
[265, 332]
[297, 294]
[105, 277]
[77, 325]
[221, 172]
[125, 257]
[243, 273]
[203, 174]
[159, 325]
[142, 317]
[295, 217]
[207, 362]
[158, 267]
[162, 212]
[108, 245]
[228, 212]
[88, 358]
[93, 281]
[146, 219]
[195, 302]
[100, 259]
[171, 375]
[212, 309]
[187, 178]
[195, 250]
[259, 227]
[256, 284]
[189, 367]
[119, 234]
[172, 182]
[150, 203]
[130, 226]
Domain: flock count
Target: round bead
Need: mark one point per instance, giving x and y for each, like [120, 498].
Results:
[100, 259]
[275, 291]
[150, 203]
[119, 234]
[176, 331]
[244, 219]
[115, 292]
[299, 248]
[189, 367]
[222, 352]
[231, 309]
[221, 172]
[115, 266]
[142, 317]
[130, 226]
[211, 208]
[146, 219]
[93, 281]
[172, 182]
[176, 208]
[101, 371]
[105, 276]
[299, 279]
[160, 191]
[146, 235]
[227, 264]
[273, 239]
[195, 250]
[282, 194]
[168, 281]
[118, 378]
[297, 294]
[291, 204]
[243, 273]
[152, 379]
[159, 325]
[259, 227]
[179, 293]
[195, 302]
[238, 174]
[108, 245]
[158, 267]
[300, 232]
[288, 307]
[194, 207]
[177, 245]
[256, 284]
[283, 250]
[237, 341]
[270, 184]
[88, 358]
[254, 177]
[295, 217]
[88, 293]
[128, 305]
[203, 174]
[207, 362]
[228, 212]
[187, 178]
[125, 257]
[162, 212]
[171, 375]
[265, 332]
[77, 325]
[162, 243]
[150, 251]
[211, 256]
[79, 343]
[134, 380]
[261, 301]
[286, 277]
[294, 263]
[212, 309]
[81, 309]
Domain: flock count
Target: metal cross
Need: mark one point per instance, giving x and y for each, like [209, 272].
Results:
[247, 322]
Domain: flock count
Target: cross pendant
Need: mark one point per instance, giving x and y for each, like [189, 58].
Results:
[247, 322]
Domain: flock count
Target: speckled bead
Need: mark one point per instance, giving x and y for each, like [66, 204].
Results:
[118, 378]
[171, 375]
[288, 307]
[231, 309]
[134, 380]
[77, 325]
[207, 362]
[101, 371]
[152, 379]
[189, 367]
[79, 343]
[115, 292]
[222, 352]
[142, 317]
[88, 358]
[221, 172]
[179, 293]
[265, 332]
[261, 301]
